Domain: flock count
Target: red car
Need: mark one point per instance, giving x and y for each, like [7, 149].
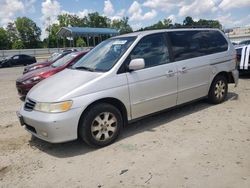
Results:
[52, 59]
[27, 81]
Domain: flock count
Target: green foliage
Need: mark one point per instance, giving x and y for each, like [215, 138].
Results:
[121, 25]
[165, 24]
[66, 20]
[52, 40]
[188, 22]
[80, 42]
[24, 33]
[4, 41]
[91, 20]
[96, 20]
[28, 32]
[209, 23]
[12, 32]
[18, 44]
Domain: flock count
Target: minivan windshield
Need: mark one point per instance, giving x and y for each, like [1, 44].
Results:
[105, 55]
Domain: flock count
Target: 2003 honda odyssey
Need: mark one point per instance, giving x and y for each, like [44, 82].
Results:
[127, 77]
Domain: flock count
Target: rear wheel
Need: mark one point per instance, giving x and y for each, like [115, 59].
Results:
[100, 125]
[218, 90]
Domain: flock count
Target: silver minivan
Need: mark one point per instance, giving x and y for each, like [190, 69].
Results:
[128, 77]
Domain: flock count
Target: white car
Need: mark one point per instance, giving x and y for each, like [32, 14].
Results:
[243, 58]
[127, 77]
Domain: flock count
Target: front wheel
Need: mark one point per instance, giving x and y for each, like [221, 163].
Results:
[100, 125]
[218, 90]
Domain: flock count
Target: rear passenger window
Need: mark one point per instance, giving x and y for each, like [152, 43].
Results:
[190, 44]
[152, 49]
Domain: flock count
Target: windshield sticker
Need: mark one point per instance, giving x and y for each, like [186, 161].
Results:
[119, 42]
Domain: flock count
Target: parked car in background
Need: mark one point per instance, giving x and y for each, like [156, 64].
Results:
[53, 58]
[245, 42]
[243, 58]
[127, 77]
[20, 59]
[1, 62]
[69, 50]
[27, 81]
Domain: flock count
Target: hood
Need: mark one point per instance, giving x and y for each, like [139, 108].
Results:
[38, 72]
[57, 87]
[4, 60]
[41, 64]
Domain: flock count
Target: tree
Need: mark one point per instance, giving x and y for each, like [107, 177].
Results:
[28, 32]
[209, 23]
[188, 21]
[12, 32]
[4, 41]
[96, 20]
[164, 24]
[66, 20]
[52, 40]
[80, 42]
[122, 25]
[167, 23]
[18, 44]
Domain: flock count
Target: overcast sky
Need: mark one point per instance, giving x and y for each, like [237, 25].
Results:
[141, 13]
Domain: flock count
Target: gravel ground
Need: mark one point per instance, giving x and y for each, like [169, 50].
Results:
[197, 145]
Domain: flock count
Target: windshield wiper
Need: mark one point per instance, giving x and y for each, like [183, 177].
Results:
[85, 68]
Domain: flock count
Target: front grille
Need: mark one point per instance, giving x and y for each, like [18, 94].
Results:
[29, 105]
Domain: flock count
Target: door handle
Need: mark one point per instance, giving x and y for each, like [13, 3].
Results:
[170, 73]
[183, 70]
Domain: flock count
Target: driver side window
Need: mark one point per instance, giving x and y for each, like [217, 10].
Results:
[16, 57]
[153, 49]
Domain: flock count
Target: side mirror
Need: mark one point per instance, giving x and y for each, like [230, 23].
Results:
[136, 64]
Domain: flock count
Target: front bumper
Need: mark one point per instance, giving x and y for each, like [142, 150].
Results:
[52, 127]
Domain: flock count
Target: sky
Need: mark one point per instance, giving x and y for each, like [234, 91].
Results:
[141, 13]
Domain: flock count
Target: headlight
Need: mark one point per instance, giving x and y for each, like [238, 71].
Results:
[53, 107]
[31, 80]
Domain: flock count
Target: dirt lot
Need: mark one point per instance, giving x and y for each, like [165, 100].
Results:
[198, 145]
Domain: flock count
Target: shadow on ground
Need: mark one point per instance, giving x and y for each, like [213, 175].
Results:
[78, 147]
[245, 75]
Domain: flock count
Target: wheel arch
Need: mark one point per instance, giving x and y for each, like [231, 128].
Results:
[110, 100]
[227, 75]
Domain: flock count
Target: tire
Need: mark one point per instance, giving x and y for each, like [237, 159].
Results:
[218, 90]
[100, 125]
